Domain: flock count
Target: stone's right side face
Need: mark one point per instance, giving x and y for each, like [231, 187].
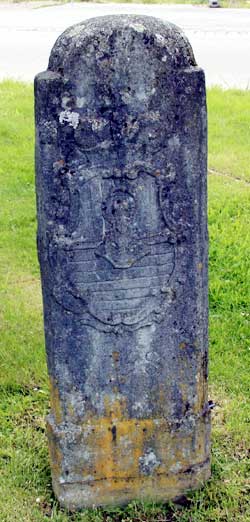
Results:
[122, 242]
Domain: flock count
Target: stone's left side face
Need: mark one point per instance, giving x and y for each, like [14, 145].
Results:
[121, 164]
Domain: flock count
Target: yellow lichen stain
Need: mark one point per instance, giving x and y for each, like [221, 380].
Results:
[113, 445]
[118, 447]
[201, 390]
[55, 401]
[160, 487]
[118, 461]
[185, 389]
[59, 164]
[71, 410]
[115, 356]
[196, 394]
[56, 457]
[135, 486]
[116, 443]
[200, 266]
[115, 408]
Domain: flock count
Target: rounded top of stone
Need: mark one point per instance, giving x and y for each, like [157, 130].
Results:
[154, 32]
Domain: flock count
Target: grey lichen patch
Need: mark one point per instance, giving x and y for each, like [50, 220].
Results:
[137, 27]
[72, 118]
[65, 102]
[160, 39]
[148, 462]
[80, 102]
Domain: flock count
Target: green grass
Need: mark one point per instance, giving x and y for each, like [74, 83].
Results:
[229, 132]
[25, 482]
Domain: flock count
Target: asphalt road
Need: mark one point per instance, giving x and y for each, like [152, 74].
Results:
[220, 37]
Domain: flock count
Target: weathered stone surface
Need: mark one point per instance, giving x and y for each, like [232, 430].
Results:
[122, 241]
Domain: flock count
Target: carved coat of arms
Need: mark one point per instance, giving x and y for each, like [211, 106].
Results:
[119, 256]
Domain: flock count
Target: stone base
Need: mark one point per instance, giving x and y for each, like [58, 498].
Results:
[112, 492]
[141, 459]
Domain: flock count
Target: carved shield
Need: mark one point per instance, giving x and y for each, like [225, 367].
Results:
[119, 259]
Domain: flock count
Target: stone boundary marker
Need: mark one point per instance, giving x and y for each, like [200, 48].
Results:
[122, 242]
